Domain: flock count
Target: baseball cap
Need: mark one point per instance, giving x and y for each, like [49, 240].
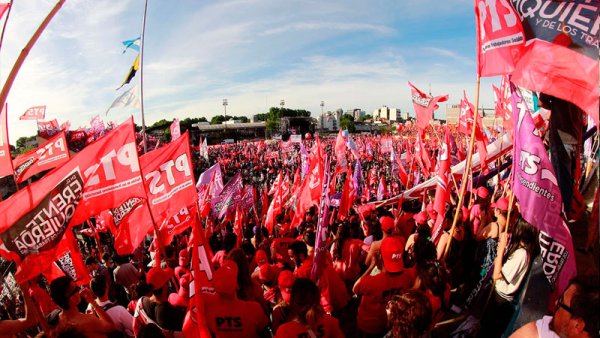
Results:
[158, 277]
[482, 192]
[184, 257]
[261, 257]
[225, 279]
[266, 273]
[421, 217]
[285, 281]
[387, 223]
[501, 204]
[392, 249]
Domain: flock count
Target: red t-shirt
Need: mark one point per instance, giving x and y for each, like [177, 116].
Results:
[376, 291]
[234, 318]
[332, 287]
[348, 267]
[327, 327]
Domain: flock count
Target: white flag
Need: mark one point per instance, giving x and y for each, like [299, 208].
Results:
[128, 99]
[204, 150]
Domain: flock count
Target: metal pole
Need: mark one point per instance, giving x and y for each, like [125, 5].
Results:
[142, 75]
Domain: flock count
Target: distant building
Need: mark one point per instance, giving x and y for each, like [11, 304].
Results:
[357, 113]
[386, 114]
[328, 121]
[453, 111]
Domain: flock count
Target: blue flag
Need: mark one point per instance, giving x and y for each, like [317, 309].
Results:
[133, 44]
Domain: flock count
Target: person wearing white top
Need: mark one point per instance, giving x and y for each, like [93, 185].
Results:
[122, 319]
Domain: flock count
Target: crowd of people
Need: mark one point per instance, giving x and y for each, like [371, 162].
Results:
[383, 274]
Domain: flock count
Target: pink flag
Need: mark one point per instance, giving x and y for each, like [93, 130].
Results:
[536, 188]
[561, 53]
[50, 155]
[47, 128]
[34, 113]
[500, 37]
[3, 8]
[6, 167]
[175, 130]
[225, 202]
[425, 105]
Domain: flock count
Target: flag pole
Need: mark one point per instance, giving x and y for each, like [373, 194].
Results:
[142, 37]
[463, 185]
[25, 51]
[5, 22]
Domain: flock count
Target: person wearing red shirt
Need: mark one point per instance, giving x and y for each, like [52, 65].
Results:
[346, 253]
[226, 315]
[309, 318]
[377, 290]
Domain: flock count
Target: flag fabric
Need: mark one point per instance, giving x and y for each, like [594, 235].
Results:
[69, 263]
[49, 155]
[442, 190]
[381, 189]
[132, 71]
[340, 152]
[3, 8]
[276, 205]
[47, 128]
[204, 149]
[194, 324]
[34, 113]
[422, 156]
[357, 178]
[322, 230]
[467, 115]
[227, 199]
[424, 105]
[129, 98]
[310, 192]
[6, 167]
[561, 53]
[536, 188]
[175, 130]
[103, 175]
[503, 105]
[348, 196]
[133, 44]
[206, 177]
[500, 37]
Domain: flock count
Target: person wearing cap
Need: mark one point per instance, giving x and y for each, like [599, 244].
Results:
[377, 290]
[267, 276]
[420, 221]
[479, 214]
[279, 248]
[388, 227]
[156, 309]
[282, 312]
[309, 318]
[184, 264]
[226, 315]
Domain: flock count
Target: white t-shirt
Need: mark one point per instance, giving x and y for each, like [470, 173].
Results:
[543, 328]
[122, 319]
[513, 273]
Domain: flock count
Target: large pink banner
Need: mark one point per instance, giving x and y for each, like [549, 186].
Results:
[536, 188]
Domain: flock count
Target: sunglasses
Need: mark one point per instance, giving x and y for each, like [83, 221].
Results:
[560, 303]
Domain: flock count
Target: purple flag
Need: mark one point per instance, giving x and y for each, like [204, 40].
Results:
[357, 178]
[230, 194]
[535, 186]
[205, 178]
[303, 160]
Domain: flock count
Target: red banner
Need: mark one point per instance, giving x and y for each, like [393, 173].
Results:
[34, 113]
[500, 37]
[102, 176]
[424, 105]
[50, 155]
[6, 168]
[47, 128]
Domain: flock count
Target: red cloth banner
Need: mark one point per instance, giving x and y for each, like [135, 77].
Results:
[47, 128]
[34, 113]
[51, 154]
[424, 105]
[102, 176]
[500, 37]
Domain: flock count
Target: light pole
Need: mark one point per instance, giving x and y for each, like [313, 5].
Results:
[225, 103]
[282, 103]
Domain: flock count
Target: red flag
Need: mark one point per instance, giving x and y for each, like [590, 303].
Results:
[310, 192]
[442, 190]
[424, 105]
[194, 324]
[502, 99]
[3, 8]
[402, 172]
[34, 113]
[50, 155]
[421, 156]
[175, 130]
[103, 175]
[348, 196]
[500, 37]
[467, 110]
[276, 207]
[340, 153]
[6, 167]
[381, 189]
[47, 128]
[561, 53]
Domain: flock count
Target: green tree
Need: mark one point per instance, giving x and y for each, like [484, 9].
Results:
[25, 144]
[217, 119]
[347, 123]
[364, 118]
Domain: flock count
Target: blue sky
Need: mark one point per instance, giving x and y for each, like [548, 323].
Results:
[350, 54]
